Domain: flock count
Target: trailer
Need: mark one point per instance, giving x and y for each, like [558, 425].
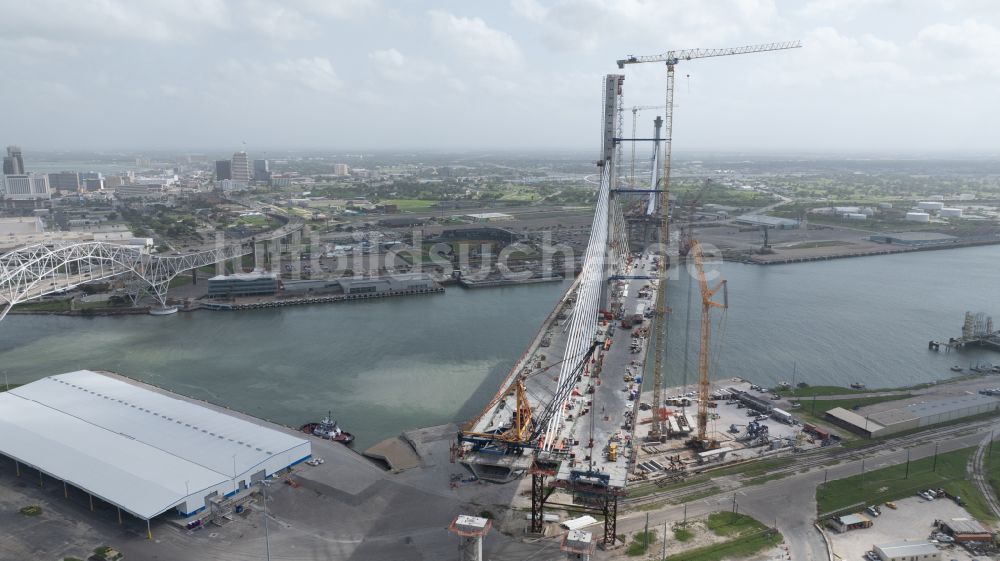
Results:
[782, 416]
[640, 314]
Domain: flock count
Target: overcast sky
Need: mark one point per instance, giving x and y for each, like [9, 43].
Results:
[911, 75]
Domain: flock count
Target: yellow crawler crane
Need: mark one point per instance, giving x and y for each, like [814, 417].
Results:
[702, 442]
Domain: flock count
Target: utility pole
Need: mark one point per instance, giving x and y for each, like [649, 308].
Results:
[663, 553]
[907, 476]
[989, 453]
[934, 468]
[267, 542]
[645, 534]
[862, 473]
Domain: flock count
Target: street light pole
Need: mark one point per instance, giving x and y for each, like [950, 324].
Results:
[267, 542]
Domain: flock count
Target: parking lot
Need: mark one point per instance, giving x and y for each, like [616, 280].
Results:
[912, 520]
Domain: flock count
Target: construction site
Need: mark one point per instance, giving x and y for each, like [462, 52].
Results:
[578, 412]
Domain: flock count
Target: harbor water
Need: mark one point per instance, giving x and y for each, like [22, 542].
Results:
[384, 366]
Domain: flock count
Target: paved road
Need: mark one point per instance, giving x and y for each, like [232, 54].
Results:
[790, 503]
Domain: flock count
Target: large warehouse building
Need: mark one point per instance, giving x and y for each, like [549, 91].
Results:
[140, 450]
[913, 416]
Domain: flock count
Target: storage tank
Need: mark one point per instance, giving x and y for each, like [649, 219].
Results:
[885, 206]
[918, 217]
[930, 205]
[950, 213]
[856, 216]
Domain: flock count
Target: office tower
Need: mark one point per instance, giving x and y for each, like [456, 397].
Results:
[13, 164]
[241, 167]
[223, 170]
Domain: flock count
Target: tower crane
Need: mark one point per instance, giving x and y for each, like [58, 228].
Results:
[672, 58]
[704, 384]
[635, 115]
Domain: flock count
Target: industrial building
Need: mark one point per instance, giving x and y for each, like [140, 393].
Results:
[913, 238]
[913, 416]
[966, 530]
[930, 205]
[849, 522]
[918, 217]
[142, 451]
[481, 233]
[392, 283]
[950, 213]
[908, 551]
[489, 217]
[243, 284]
[767, 221]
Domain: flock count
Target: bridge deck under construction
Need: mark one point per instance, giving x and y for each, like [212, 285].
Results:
[600, 410]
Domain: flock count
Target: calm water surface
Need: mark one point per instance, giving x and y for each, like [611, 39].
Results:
[387, 365]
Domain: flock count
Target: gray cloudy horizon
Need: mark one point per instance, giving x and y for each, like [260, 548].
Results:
[874, 75]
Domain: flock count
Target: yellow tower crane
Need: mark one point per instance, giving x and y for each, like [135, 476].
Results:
[702, 441]
[672, 58]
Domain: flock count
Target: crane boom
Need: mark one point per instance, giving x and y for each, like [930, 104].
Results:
[707, 303]
[673, 57]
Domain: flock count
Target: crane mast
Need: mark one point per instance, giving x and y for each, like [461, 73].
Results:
[672, 58]
[707, 303]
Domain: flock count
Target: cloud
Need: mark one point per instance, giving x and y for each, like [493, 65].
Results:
[340, 9]
[155, 21]
[312, 73]
[34, 49]
[530, 10]
[586, 25]
[844, 9]
[396, 67]
[472, 37]
[278, 21]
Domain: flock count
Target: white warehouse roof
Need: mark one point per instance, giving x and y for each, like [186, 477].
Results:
[133, 447]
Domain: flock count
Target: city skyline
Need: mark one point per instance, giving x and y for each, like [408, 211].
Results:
[874, 75]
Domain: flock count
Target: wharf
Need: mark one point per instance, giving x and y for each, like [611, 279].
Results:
[278, 303]
[492, 283]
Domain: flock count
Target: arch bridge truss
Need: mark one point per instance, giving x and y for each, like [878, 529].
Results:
[37, 270]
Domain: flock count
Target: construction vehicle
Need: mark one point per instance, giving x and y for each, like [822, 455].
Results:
[702, 441]
[524, 431]
[613, 452]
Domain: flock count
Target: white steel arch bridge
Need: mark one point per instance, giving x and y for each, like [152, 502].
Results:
[37, 270]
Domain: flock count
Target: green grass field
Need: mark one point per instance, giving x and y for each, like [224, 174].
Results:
[810, 391]
[409, 205]
[747, 537]
[892, 483]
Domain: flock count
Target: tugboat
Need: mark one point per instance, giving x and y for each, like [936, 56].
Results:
[328, 429]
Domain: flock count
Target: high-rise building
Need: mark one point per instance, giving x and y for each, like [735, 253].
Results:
[223, 170]
[65, 181]
[13, 164]
[341, 169]
[241, 167]
[22, 186]
[261, 170]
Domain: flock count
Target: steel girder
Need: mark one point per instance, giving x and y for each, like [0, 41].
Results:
[36, 270]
